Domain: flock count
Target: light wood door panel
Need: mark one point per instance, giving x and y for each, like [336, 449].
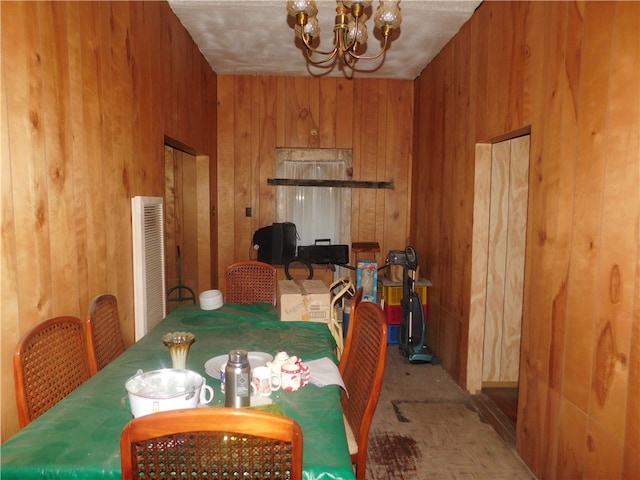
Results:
[500, 218]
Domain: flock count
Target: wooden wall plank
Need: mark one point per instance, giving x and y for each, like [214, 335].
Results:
[57, 145]
[267, 151]
[29, 173]
[226, 150]
[604, 453]
[571, 441]
[345, 128]
[9, 305]
[371, 146]
[356, 145]
[395, 221]
[590, 168]
[627, 75]
[203, 224]
[77, 153]
[90, 180]
[243, 174]
[256, 160]
[538, 332]
[619, 243]
[328, 112]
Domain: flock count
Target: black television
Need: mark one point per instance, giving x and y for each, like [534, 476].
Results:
[276, 243]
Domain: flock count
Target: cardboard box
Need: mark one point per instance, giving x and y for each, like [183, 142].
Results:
[304, 300]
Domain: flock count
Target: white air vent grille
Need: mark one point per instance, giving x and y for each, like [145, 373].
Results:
[148, 263]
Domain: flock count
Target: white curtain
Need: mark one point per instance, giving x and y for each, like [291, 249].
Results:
[318, 212]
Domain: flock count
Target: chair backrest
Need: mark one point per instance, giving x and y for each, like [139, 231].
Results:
[49, 362]
[355, 301]
[251, 282]
[362, 371]
[103, 334]
[357, 298]
[212, 443]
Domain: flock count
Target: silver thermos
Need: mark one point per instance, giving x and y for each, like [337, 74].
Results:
[237, 380]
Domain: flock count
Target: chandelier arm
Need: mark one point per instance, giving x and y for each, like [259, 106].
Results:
[320, 62]
[378, 55]
[313, 50]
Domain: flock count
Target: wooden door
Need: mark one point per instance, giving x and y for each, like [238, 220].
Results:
[497, 278]
[187, 226]
[505, 263]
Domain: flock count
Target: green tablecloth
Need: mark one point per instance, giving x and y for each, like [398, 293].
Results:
[79, 437]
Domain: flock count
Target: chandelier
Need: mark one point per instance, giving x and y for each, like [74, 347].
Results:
[350, 31]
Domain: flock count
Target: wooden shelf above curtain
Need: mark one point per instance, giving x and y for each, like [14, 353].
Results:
[292, 182]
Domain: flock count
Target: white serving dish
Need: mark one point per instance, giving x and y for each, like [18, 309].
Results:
[163, 390]
[211, 299]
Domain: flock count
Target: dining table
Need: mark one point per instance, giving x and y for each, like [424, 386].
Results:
[78, 438]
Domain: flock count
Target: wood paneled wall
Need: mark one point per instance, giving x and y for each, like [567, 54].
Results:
[257, 114]
[89, 91]
[570, 71]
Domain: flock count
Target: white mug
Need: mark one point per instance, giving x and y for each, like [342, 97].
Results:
[206, 393]
[265, 381]
[290, 377]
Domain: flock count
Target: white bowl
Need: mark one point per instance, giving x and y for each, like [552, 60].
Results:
[163, 390]
[211, 299]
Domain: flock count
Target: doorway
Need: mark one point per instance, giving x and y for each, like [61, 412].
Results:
[497, 277]
[187, 226]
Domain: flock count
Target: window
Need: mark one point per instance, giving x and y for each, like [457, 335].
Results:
[318, 212]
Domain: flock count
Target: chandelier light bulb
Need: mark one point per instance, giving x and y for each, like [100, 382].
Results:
[388, 14]
[294, 7]
[311, 28]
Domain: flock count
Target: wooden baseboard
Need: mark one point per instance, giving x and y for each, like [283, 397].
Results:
[499, 384]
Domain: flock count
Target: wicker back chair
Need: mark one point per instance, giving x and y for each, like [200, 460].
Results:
[103, 335]
[212, 443]
[49, 362]
[362, 372]
[251, 282]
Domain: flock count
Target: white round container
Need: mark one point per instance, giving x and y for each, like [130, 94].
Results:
[211, 299]
[163, 390]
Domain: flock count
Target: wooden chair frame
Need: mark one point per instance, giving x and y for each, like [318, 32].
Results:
[143, 433]
[355, 301]
[362, 369]
[49, 362]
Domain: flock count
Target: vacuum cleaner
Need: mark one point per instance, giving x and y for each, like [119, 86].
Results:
[413, 325]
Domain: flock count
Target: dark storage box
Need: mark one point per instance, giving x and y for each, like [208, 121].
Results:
[324, 253]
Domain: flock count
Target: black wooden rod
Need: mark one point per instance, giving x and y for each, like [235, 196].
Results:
[291, 182]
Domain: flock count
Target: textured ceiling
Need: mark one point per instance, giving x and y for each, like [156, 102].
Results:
[241, 37]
